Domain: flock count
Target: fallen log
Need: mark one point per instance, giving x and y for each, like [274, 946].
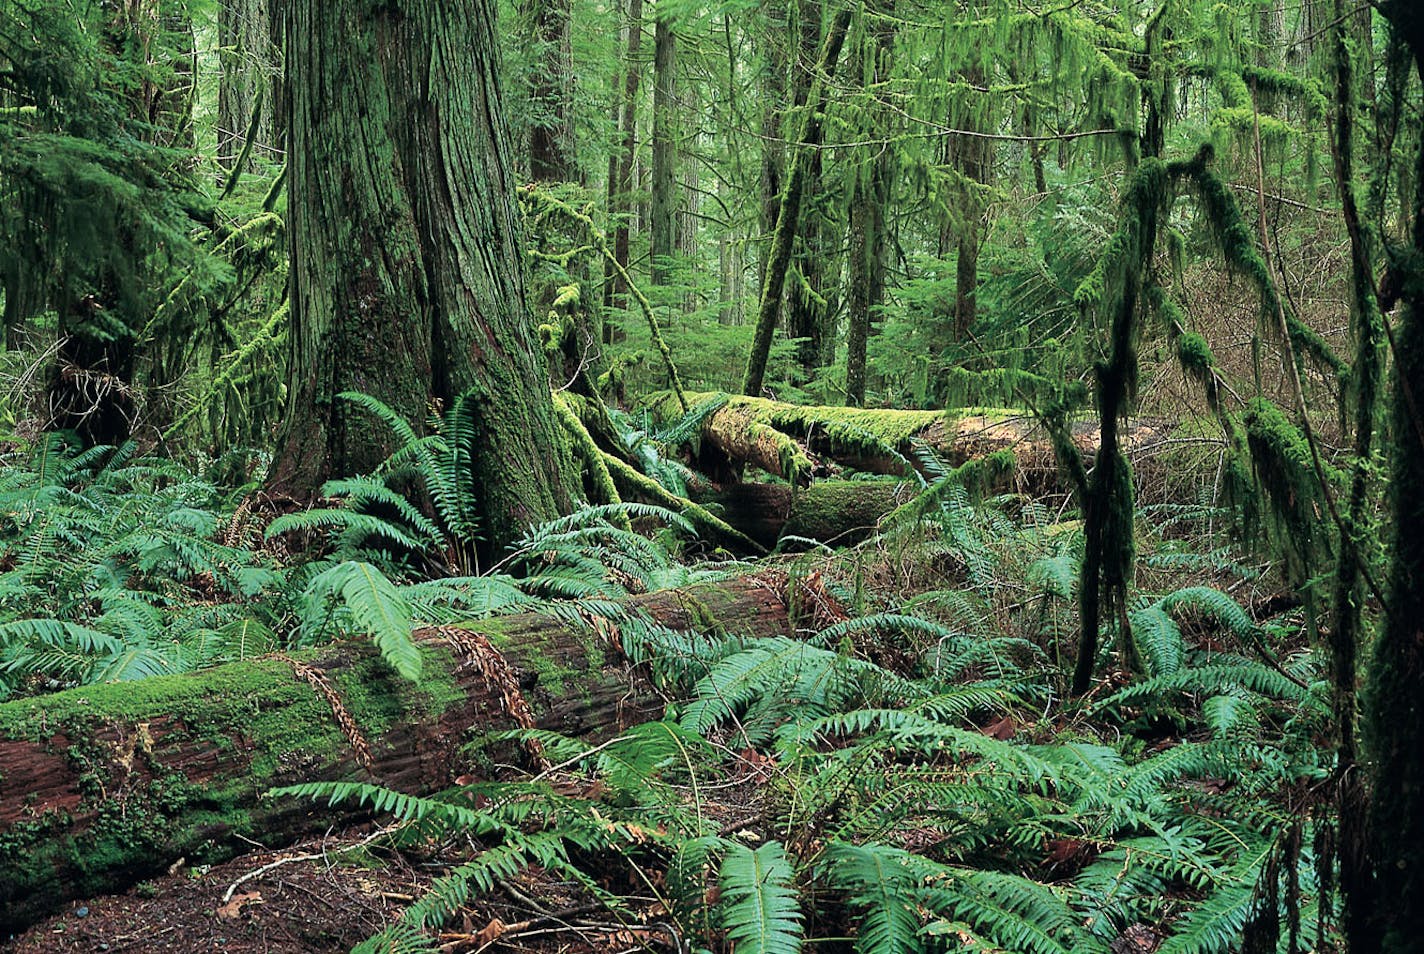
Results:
[798, 442]
[104, 786]
[837, 512]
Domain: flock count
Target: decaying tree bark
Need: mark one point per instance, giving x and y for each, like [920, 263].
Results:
[104, 786]
[836, 512]
[798, 442]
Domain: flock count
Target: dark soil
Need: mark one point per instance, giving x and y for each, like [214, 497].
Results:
[325, 903]
[329, 896]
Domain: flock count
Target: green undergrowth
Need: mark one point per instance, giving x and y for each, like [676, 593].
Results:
[115, 568]
[907, 775]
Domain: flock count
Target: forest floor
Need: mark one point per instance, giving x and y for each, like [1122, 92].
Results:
[329, 895]
[310, 902]
[307, 898]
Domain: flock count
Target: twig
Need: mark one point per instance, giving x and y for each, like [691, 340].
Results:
[259, 872]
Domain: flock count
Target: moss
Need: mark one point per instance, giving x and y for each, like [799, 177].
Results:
[142, 820]
[552, 675]
[1284, 468]
[586, 451]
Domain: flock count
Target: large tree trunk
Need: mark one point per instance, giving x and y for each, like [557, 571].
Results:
[407, 252]
[106, 785]
[1394, 713]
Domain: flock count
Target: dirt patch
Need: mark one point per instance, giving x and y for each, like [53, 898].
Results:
[326, 903]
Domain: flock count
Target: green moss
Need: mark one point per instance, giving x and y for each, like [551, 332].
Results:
[141, 820]
[553, 676]
[1285, 469]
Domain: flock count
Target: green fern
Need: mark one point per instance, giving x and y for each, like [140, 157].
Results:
[375, 607]
[759, 906]
[881, 882]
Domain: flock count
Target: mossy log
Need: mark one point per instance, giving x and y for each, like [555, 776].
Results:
[799, 442]
[103, 786]
[837, 512]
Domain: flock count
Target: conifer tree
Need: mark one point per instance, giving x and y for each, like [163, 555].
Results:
[407, 276]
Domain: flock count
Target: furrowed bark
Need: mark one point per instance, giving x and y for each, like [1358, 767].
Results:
[104, 786]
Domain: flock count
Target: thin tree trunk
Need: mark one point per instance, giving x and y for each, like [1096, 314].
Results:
[790, 211]
[870, 198]
[244, 45]
[664, 201]
[776, 42]
[551, 130]
[971, 156]
[622, 189]
[548, 26]
[407, 253]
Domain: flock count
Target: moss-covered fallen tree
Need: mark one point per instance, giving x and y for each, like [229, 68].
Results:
[835, 512]
[798, 442]
[103, 786]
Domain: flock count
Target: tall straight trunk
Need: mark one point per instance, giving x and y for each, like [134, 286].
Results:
[972, 158]
[806, 307]
[278, 79]
[867, 229]
[244, 54]
[662, 230]
[622, 189]
[1349, 596]
[548, 24]
[407, 278]
[776, 43]
[730, 284]
[789, 213]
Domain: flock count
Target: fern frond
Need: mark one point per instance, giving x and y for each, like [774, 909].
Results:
[881, 882]
[377, 609]
[759, 905]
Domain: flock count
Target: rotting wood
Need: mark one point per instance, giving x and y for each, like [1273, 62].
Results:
[103, 786]
[799, 442]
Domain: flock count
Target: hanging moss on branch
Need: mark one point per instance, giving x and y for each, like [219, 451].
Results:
[543, 203]
[1114, 290]
[1238, 246]
[1285, 471]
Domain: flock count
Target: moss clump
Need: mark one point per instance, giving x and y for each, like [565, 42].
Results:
[1285, 469]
